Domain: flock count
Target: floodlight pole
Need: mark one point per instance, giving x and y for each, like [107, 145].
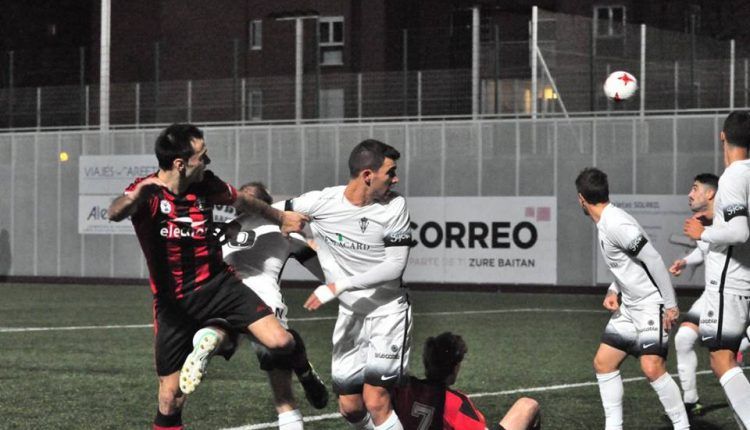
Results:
[298, 65]
[731, 74]
[475, 62]
[643, 70]
[534, 66]
[104, 73]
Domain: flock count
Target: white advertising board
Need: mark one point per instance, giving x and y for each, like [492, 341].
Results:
[661, 216]
[508, 240]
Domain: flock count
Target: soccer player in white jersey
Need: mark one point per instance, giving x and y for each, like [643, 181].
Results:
[726, 311]
[364, 235]
[640, 325]
[258, 252]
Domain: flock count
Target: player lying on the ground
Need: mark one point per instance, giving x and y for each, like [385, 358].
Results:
[701, 200]
[430, 403]
[258, 251]
[640, 325]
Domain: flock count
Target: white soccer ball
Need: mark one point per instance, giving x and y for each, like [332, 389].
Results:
[620, 86]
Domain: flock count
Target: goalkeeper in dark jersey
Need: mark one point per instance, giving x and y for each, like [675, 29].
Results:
[421, 403]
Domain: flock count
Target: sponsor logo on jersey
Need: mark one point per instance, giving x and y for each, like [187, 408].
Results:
[637, 244]
[344, 242]
[184, 227]
[732, 211]
[363, 223]
[165, 207]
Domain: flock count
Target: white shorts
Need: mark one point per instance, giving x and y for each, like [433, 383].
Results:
[371, 350]
[268, 291]
[724, 319]
[638, 330]
[694, 314]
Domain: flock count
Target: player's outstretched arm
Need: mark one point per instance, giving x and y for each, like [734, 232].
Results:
[125, 205]
[287, 220]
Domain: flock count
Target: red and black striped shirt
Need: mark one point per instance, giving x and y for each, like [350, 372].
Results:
[176, 235]
[422, 404]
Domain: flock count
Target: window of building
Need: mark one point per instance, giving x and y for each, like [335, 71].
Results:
[609, 21]
[331, 30]
[255, 105]
[331, 103]
[256, 34]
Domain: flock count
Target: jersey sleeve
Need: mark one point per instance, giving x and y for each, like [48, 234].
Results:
[628, 237]
[148, 207]
[305, 204]
[734, 197]
[217, 192]
[398, 230]
[461, 414]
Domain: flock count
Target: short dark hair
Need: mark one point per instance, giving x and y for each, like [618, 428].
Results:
[370, 154]
[737, 129]
[175, 142]
[442, 354]
[592, 184]
[261, 192]
[708, 179]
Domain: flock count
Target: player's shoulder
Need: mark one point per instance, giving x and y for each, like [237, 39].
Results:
[395, 202]
[329, 193]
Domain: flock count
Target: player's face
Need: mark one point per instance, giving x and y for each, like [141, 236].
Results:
[383, 179]
[196, 164]
[698, 197]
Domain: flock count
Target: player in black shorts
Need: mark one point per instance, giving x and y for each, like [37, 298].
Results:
[171, 211]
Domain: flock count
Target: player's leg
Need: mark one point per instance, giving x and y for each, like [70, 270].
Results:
[723, 324]
[388, 349]
[171, 401]
[348, 360]
[172, 344]
[607, 367]
[523, 415]
[652, 346]
[619, 335]
[687, 360]
[290, 418]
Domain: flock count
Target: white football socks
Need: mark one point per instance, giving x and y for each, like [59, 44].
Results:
[365, 424]
[611, 391]
[737, 389]
[392, 423]
[669, 395]
[687, 362]
[291, 420]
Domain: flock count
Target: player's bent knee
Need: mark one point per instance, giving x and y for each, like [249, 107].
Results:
[603, 366]
[529, 404]
[653, 366]
[352, 411]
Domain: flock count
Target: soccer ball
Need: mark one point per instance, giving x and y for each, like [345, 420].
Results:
[620, 86]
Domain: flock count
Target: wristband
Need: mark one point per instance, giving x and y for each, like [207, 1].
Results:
[324, 294]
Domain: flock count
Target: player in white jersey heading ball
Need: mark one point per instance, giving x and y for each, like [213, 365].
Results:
[726, 311]
[363, 233]
[640, 325]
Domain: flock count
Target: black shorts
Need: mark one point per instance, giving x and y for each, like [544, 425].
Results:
[176, 321]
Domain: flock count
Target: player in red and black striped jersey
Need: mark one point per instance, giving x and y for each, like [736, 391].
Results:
[171, 211]
[421, 403]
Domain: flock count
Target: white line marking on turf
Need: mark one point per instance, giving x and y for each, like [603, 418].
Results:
[275, 424]
[488, 311]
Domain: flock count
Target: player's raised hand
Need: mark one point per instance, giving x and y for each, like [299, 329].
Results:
[292, 222]
[670, 317]
[693, 228]
[611, 302]
[676, 267]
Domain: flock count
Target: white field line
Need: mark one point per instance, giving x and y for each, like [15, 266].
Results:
[490, 311]
[275, 424]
